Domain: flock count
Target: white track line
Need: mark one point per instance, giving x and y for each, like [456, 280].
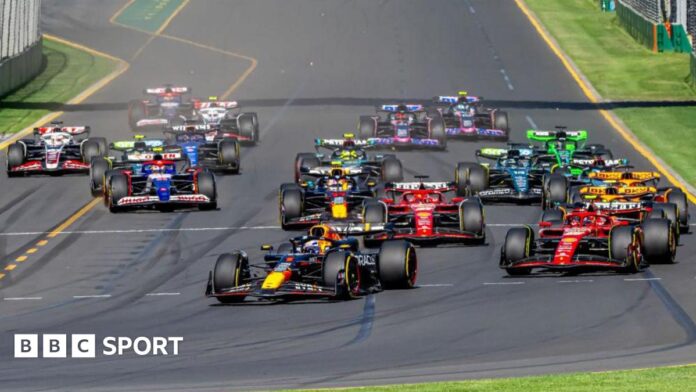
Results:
[22, 298]
[576, 281]
[640, 279]
[435, 285]
[507, 79]
[92, 296]
[531, 122]
[500, 283]
[160, 294]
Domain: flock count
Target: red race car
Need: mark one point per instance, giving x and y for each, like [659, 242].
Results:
[587, 239]
[421, 213]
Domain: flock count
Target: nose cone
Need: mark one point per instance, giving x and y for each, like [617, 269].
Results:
[273, 281]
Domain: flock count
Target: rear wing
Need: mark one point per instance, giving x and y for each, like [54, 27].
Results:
[339, 142]
[548, 136]
[357, 228]
[394, 108]
[127, 145]
[134, 156]
[162, 90]
[70, 130]
[217, 104]
[452, 99]
[192, 127]
[614, 205]
[348, 171]
[413, 186]
[599, 163]
[619, 176]
[496, 153]
[635, 191]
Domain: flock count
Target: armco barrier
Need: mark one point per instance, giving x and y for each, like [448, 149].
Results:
[637, 26]
[19, 69]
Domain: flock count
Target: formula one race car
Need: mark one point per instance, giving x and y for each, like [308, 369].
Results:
[349, 153]
[405, 126]
[670, 201]
[225, 118]
[131, 156]
[219, 154]
[323, 264]
[421, 213]
[165, 106]
[466, 116]
[586, 240]
[159, 186]
[513, 177]
[564, 147]
[54, 150]
[338, 195]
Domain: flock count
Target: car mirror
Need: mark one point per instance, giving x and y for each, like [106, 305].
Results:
[545, 224]
[267, 247]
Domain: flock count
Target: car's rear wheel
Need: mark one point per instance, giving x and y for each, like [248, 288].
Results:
[471, 219]
[668, 211]
[137, 110]
[374, 212]
[438, 132]
[231, 270]
[678, 197]
[659, 244]
[291, 206]
[118, 189]
[248, 127]
[517, 246]
[500, 121]
[621, 239]
[103, 146]
[90, 149]
[392, 170]
[207, 187]
[555, 190]
[304, 162]
[470, 178]
[15, 157]
[398, 265]
[97, 170]
[228, 154]
[367, 127]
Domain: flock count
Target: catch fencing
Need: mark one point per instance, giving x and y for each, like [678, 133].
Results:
[21, 56]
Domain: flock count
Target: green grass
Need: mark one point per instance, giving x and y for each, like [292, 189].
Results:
[68, 72]
[668, 379]
[621, 69]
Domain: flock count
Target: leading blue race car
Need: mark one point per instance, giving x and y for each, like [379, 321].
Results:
[219, 154]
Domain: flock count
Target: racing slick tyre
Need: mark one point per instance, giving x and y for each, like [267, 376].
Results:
[228, 155]
[374, 212]
[397, 265]
[349, 283]
[438, 132]
[678, 197]
[517, 246]
[118, 189]
[137, 111]
[500, 121]
[205, 182]
[471, 219]
[231, 270]
[15, 157]
[392, 170]
[470, 178]
[668, 211]
[367, 127]
[90, 149]
[553, 216]
[97, 170]
[103, 146]
[248, 127]
[659, 244]
[555, 190]
[620, 240]
[304, 162]
[290, 206]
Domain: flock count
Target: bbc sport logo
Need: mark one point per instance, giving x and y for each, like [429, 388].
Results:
[85, 346]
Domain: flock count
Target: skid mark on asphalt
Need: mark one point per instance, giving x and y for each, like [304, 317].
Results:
[366, 321]
[678, 313]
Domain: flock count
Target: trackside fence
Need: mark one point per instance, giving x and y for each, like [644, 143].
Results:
[21, 56]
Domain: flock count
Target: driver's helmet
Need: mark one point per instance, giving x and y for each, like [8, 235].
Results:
[139, 146]
[318, 231]
[587, 221]
[156, 168]
[348, 143]
[317, 247]
[602, 220]
[523, 162]
[401, 112]
[574, 221]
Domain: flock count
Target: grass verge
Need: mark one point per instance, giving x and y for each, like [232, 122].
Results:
[666, 379]
[68, 71]
[621, 69]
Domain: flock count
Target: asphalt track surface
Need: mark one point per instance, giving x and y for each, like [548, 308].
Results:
[320, 65]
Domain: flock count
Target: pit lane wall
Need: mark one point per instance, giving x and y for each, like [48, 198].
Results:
[21, 57]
